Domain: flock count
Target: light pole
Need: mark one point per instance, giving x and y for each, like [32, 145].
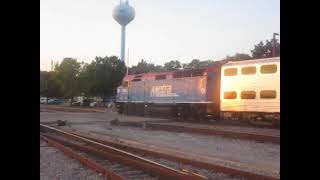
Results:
[274, 44]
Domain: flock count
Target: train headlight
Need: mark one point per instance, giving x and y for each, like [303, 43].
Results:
[202, 90]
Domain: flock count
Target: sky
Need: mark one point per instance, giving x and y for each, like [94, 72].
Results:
[162, 30]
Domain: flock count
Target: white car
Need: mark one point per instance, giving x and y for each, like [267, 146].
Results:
[93, 104]
[43, 100]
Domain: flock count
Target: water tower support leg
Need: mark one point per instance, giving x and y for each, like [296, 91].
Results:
[123, 42]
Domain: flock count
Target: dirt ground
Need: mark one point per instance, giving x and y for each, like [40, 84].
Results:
[262, 155]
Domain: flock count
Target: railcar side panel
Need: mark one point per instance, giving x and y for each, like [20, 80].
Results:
[246, 91]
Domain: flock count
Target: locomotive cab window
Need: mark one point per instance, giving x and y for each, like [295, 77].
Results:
[160, 77]
[248, 95]
[134, 80]
[230, 95]
[125, 84]
[248, 70]
[268, 94]
[231, 72]
[138, 76]
[268, 69]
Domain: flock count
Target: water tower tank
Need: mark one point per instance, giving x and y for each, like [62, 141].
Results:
[123, 14]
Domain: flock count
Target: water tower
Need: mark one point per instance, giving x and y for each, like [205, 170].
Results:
[123, 14]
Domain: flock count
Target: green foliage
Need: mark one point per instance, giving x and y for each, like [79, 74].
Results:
[71, 78]
[67, 77]
[172, 65]
[238, 57]
[144, 67]
[109, 72]
[262, 50]
[196, 63]
[48, 85]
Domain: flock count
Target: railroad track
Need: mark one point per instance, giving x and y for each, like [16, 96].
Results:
[109, 161]
[235, 134]
[199, 165]
[52, 108]
[216, 165]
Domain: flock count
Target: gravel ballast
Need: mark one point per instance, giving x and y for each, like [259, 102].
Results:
[55, 165]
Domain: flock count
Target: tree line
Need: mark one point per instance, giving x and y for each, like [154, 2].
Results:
[103, 75]
[260, 50]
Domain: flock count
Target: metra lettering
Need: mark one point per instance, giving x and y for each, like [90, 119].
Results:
[161, 91]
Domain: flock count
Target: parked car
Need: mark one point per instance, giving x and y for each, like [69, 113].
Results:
[86, 102]
[51, 100]
[111, 99]
[55, 101]
[77, 103]
[93, 104]
[43, 100]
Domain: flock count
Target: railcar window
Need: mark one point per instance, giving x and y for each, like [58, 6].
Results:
[268, 94]
[230, 95]
[248, 95]
[230, 72]
[160, 77]
[249, 70]
[267, 69]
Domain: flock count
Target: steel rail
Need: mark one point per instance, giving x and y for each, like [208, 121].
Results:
[132, 158]
[170, 156]
[85, 161]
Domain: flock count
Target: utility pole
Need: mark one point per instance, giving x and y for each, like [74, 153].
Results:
[274, 44]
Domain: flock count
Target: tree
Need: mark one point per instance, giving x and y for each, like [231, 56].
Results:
[141, 67]
[86, 79]
[238, 57]
[144, 67]
[67, 77]
[44, 78]
[196, 63]
[48, 85]
[103, 76]
[262, 50]
[172, 65]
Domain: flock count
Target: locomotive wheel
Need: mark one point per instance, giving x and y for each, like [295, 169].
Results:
[183, 112]
[120, 110]
[174, 111]
[202, 113]
[260, 121]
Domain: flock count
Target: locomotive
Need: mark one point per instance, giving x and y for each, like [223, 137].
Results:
[234, 91]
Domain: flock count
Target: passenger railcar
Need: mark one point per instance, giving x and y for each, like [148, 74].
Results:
[250, 90]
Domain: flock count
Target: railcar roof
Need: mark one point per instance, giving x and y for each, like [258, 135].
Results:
[253, 61]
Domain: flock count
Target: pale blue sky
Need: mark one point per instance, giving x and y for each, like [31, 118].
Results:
[162, 30]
